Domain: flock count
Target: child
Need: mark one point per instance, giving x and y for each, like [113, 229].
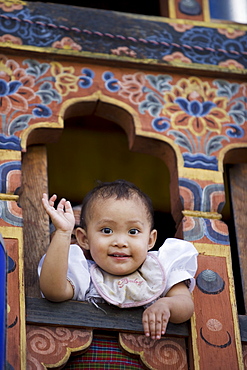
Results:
[117, 229]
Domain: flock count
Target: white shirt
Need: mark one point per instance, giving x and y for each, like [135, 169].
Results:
[177, 257]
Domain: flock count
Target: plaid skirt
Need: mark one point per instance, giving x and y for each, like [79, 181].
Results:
[103, 354]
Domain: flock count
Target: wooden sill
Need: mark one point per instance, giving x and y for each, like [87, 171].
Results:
[77, 314]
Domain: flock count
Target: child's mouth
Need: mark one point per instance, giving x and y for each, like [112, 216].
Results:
[119, 255]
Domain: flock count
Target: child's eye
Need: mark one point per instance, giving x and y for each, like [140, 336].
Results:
[106, 230]
[133, 231]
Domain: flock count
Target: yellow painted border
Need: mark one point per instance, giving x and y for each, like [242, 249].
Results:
[149, 62]
[8, 155]
[10, 197]
[195, 351]
[94, 97]
[220, 251]
[16, 233]
[172, 9]
[209, 215]
[199, 174]
[206, 11]
[26, 132]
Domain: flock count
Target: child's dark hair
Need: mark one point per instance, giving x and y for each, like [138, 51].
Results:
[120, 189]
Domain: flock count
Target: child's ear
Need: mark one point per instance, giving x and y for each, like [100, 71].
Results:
[152, 239]
[81, 236]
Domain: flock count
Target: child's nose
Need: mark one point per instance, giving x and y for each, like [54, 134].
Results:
[121, 241]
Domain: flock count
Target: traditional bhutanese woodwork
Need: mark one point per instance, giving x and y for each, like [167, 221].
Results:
[176, 87]
[3, 298]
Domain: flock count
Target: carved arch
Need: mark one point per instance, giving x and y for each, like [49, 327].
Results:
[123, 115]
[109, 108]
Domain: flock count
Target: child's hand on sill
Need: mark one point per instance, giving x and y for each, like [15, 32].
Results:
[177, 306]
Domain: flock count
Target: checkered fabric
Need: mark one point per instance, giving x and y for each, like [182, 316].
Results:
[103, 354]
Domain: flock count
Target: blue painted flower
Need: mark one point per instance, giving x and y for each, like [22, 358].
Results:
[9, 88]
[195, 108]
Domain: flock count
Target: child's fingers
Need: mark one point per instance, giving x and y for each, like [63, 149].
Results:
[68, 207]
[60, 206]
[156, 328]
[145, 323]
[45, 201]
[49, 204]
[164, 325]
[149, 325]
[154, 325]
[52, 199]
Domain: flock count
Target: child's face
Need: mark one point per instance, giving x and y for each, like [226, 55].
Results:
[118, 234]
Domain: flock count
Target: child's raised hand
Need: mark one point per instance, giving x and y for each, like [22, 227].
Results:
[155, 319]
[63, 217]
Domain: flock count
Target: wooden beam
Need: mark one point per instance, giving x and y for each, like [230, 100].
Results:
[39, 311]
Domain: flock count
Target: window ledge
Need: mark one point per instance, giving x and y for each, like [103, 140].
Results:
[85, 315]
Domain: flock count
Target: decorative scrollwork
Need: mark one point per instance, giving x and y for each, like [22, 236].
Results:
[52, 346]
[156, 354]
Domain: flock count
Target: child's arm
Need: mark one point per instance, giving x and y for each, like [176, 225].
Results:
[53, 278]
[177, 306]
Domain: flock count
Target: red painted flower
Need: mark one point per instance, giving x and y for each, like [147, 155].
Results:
[231, 64]
[176, 57]
[11, 39]
[11, 5]
[132, 87]
[230, 32]
[16, 87]
[67, 44]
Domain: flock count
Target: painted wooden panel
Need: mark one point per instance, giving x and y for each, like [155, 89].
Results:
[112, 36]
[215, 320]
[16, 338]
[166, 353]
[50, 71]
[49, 347]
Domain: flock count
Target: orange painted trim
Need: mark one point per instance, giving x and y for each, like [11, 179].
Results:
[16, 233]
[220, 251]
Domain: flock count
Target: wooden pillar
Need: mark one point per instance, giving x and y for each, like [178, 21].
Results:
[215, 331]
[238, 191]
[35, 220]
